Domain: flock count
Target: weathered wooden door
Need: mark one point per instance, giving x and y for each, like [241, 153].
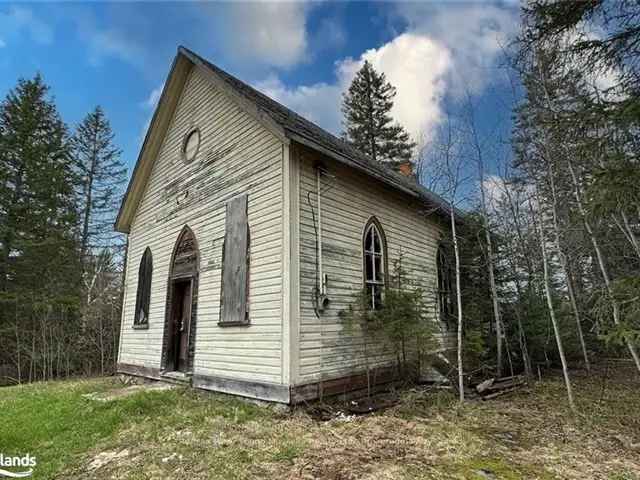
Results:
[181, 324]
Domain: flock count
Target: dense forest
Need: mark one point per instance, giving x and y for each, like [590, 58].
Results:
[549, 251]
[60, 260]
[546, 264]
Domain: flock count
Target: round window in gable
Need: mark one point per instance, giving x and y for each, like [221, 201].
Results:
[191, 145]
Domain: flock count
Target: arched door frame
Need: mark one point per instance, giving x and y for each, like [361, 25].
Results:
[185, 270]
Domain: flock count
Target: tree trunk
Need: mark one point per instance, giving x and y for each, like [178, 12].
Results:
[522, 339]
[552, 314]
[587, 224]
[459, 303]
[490, 264]
[88, 198]
[565, 267]
[18, 357]
[601, 263]
[101, 338]
[627, 231]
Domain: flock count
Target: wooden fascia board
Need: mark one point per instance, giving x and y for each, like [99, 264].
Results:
[153, 141]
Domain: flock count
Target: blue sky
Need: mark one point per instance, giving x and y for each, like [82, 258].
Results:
[304, 54]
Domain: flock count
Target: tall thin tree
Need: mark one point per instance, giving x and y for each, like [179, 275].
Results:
[102, 175]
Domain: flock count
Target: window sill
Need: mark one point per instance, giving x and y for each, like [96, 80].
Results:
[143, 326]
[234, 324]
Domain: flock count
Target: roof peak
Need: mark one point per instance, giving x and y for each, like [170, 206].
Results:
[306, 132]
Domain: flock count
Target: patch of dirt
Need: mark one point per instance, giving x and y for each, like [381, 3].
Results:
[118, 393]
[104, 458]
[347, 411]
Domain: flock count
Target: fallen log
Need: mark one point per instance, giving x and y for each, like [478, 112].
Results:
[500, 384]
[482, 386]
[494, 387]
[498, 393]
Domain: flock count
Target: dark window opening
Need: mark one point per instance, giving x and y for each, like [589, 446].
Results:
[143, 295]
[446, 287]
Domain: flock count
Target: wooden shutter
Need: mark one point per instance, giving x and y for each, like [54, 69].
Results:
[235, 269]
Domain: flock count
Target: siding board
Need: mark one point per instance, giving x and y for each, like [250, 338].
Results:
[237, 155]
[348, 201]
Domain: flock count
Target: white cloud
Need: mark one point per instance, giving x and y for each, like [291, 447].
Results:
[414, 64]
[494, 190]
[272, 33]
[149, 104]
[110, 43]
[113, 42]
[154, 96]
[445, 50]
[474, 34]
[21, 19]
[319, 103]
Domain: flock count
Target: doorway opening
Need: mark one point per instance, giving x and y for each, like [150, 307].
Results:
[178, 345]
[180, 322]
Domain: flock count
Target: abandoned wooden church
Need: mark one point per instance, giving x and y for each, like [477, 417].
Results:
[249, 231]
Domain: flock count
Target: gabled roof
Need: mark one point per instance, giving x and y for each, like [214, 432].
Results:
[282, 121]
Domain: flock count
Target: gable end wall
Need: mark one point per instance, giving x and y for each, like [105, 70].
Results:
[237, 155]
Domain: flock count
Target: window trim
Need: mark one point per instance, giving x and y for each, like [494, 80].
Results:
[185, 139]
[143, 298]
[373, 222]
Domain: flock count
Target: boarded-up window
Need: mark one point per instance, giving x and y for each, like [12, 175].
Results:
[235, 265]
[143, 295]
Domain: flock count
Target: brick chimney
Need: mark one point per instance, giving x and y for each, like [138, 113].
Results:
[406, 168]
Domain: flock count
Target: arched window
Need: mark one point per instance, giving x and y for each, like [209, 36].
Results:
[143, 296]
[446, 289]
[375, 262]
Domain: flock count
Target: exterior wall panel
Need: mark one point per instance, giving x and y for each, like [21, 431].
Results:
[236, 155]
[327, 349]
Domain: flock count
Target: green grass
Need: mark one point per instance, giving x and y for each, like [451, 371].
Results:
[56, 424]
[182, 433]
[53, 422]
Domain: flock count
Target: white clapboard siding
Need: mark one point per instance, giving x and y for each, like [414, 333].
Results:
[252, 164]
[349, 199]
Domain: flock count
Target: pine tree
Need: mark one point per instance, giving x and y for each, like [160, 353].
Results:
[37, 208]
[102, 175]
[39, 268]
[367, 119]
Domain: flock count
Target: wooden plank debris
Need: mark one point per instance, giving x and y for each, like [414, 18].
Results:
[494, 387]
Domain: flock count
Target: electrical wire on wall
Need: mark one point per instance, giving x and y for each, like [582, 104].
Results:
[319, 297]
[316, 289]
[318, 294]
